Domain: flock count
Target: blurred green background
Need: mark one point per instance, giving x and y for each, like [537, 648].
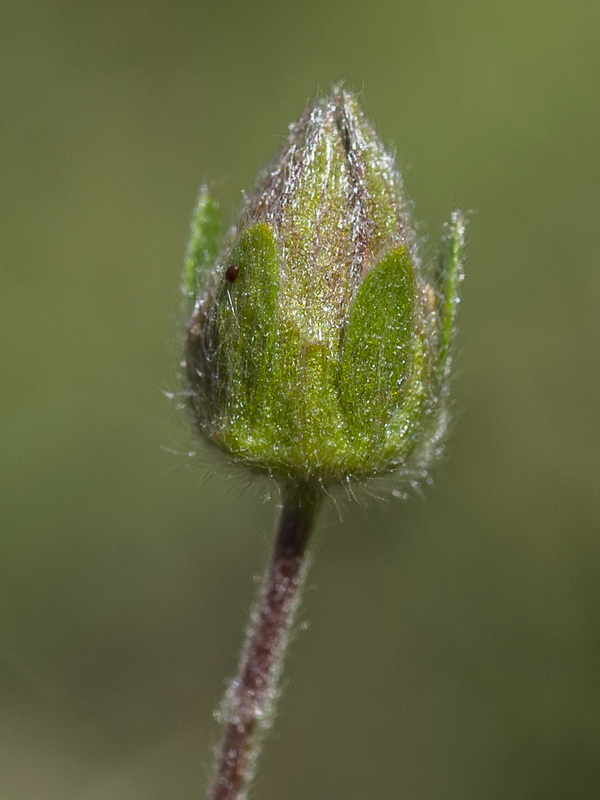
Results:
[454, 649]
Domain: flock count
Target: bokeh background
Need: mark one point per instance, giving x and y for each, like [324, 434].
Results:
[453, 650]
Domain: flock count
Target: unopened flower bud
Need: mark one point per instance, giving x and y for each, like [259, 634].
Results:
[317, 348]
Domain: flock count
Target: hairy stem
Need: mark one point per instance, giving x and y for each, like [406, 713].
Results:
[249, 704]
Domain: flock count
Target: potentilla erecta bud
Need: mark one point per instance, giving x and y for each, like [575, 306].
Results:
[317, 347]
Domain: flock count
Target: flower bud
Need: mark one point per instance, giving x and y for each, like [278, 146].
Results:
[316, 347]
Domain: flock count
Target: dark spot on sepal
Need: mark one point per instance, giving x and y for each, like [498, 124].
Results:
[231, 273]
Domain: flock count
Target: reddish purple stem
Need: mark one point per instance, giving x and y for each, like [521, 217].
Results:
[248, 707]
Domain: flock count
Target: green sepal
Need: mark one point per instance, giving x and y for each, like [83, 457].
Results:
[247, 319]
[450, 274]
[302, 411]
[376, 360]
[203, 246]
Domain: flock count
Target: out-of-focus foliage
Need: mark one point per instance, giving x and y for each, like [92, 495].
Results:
[454, 646]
